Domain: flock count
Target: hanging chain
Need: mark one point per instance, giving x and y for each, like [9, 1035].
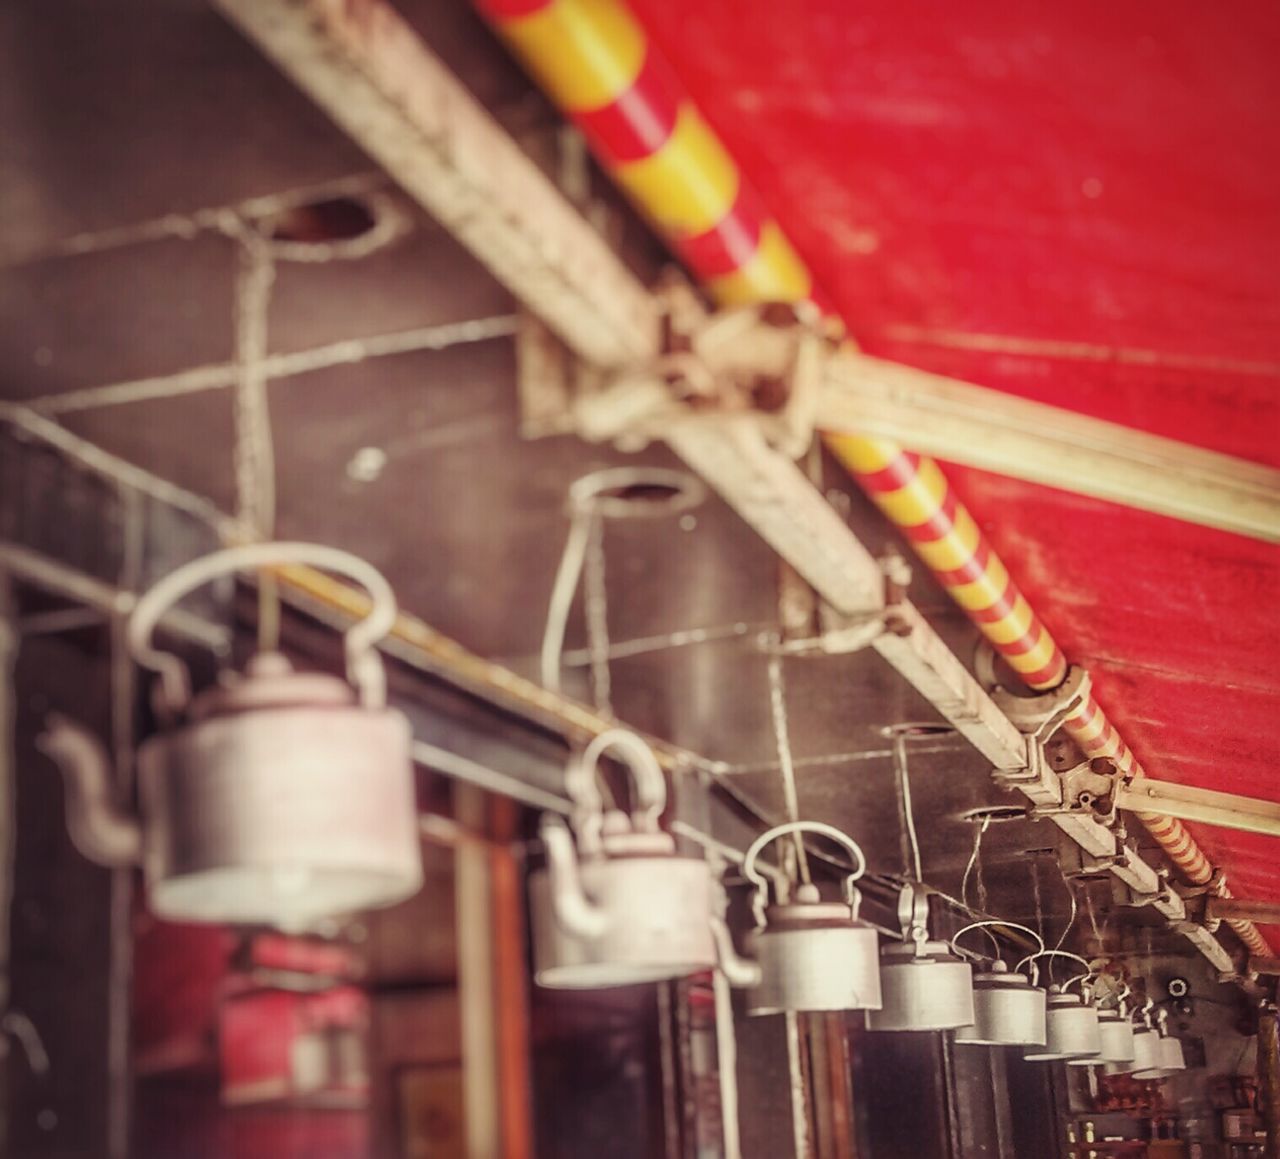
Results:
[786, 764]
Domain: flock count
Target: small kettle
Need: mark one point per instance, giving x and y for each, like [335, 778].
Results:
[811, 954]
[275, 798]
[1009, 1008]
[925, 986]
[616, 905]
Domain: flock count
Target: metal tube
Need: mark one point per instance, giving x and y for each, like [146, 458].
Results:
[1269, 1078]
[598, 65]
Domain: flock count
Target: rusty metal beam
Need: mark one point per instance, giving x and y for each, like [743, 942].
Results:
[1208, 806]
[367, 68]
[1269, 1078]
[994, 431]
[1243, 909]
[774, 498]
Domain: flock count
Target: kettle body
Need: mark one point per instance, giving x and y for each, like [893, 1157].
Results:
[616, 905]
[282, 802]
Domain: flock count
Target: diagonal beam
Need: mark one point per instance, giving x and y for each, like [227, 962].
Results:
[993, 431]
[373, 75]
[1208, 806]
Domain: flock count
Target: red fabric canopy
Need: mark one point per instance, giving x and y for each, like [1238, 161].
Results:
[1078, 204]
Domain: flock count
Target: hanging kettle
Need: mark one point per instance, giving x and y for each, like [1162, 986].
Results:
[924, 986]
[1071, 1029]
[811, 954]
[1008, 1008]
[1146, 1047]
[275, 798]
[1071, 1020]
[618, 906]
[1116, 1033]
[1166, 1056]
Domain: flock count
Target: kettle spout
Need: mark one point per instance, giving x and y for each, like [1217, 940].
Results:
[575, 912]
[741, 972]
[99, 828]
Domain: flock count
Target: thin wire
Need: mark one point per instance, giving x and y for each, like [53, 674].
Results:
[782, 738]
[1071, 921]
[254, 449]
[908, 814]
[1035, 890]
[1093, 918]
[596, 607]
[975, 862]
[562, 593]
[974, 859]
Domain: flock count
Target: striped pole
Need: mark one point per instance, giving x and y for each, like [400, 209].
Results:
[595, 60]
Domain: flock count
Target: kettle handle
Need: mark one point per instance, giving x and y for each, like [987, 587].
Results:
[364, 667]
[1056, 953]
[584, 792]
[996, 923]
[821, 829]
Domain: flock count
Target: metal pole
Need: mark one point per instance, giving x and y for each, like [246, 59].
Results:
[9, 643]
[1269, 1078]
[727, 1058]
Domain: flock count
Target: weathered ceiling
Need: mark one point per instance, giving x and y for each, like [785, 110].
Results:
[1080, 207]
[928, 226]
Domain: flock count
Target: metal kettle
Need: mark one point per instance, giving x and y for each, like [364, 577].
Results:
[1009, 1008]
[1073, 1033]
[275, 798]
[1115, 1032]
[616, 905]
[924, 985]
[811, 954]
[1147, 1059]
[1163, 1051]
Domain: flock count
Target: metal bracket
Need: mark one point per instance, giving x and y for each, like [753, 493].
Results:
[1229, 810]
[1076, 861]
[1087, 788]
[1086, 791]
[1211, 888]
[843, 634]
[766, 361]
[1160, 896]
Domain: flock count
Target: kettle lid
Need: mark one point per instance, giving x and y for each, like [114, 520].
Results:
[270, 681]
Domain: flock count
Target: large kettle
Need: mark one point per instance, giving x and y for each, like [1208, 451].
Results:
[616, 905]
[811, 954]
[274, 798]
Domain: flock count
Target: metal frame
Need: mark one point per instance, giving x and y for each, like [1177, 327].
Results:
[993, 431]
[366, 67]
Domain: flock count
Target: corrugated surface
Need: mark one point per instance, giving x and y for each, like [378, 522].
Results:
[1081, 207]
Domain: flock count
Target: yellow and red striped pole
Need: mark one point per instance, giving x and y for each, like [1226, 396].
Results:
[596, 61]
